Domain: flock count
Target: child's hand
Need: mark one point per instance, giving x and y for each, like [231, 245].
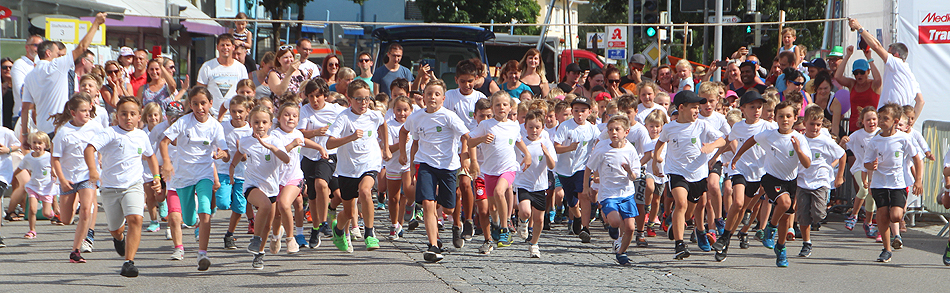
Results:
[216, 186]
[839, 181]
[874, 165]
[168, 171]
[298, 142]
[574, 146]
[4, 150]
[323, 153]
[157, 186]
[844, 141]
[866, 183]
[403, 159]
[357, 135]
[797, 145]
[707, 148]
[930, 156]
[322, 131]
[489, 138]
[525, 162]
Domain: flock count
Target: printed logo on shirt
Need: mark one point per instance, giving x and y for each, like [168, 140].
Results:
[140, 151]
[791, 153]
[471, 114]
[44, 172]
[817, 155]
[369, 133]
[583, 143]
[206, 142]
[438, 129]
[897, 154]
[540, 158]
[511, 141]
[267, 157]
[692, 140]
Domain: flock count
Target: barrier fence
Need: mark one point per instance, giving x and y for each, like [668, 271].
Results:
[937, 134]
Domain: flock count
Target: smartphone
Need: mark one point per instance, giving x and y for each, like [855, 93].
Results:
[428, 61]
[722, 63]
[862, 44]
[297, 57]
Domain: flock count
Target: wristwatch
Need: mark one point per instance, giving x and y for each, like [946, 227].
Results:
[860, 30]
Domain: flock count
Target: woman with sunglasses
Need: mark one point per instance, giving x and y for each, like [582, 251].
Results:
[285, 76]
[331, 64]
[795, 82]
[7, 65]
[612, 82]
[865, 91]
[115, 85]
[365, 63]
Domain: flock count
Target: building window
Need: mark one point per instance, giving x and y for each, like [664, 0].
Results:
[412, 11]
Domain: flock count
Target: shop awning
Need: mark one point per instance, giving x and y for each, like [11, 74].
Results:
[136, 10]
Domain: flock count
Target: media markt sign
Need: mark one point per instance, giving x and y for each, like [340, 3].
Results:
[934, 28]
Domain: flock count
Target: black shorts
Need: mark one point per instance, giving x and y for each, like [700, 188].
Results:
[350, 187]
[572, 185]
[537, 198]
[751, 188]
[774, 188]
[716, 168]
[247, 194]
[694, 190]
[322, 169]
[886, 197]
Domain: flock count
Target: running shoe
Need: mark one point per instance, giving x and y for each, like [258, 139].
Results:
[614, 233]
[487, 247]
[721, 255]
[275, 244]
[129, 270]
[616, 245]
[203, 262]
[75, 257]
[250, 226]
[897, 242]
[790, 236]
[867, 231]
[119, 246]
[258, 262]
[301, 240]
[878, 239]
[162, 210]
[946, 255]
[711, 237]
[341, 241]
[651, 230]
[682, 251]
[885, 256]
[372, 243]
[873, 230]
[641, 240]
[720, 226]
[584, 235]
[702, 242]
[622, 259]
[743, 241]
[495, 232]
[355, 233]
[168, 234]
[153, 227]
[441, 225]
[850, 222]
[255, 246]
[720, 244]
[197, 230]
[292, 246]
[806, 250]
[457, 240]
[576, 226]
[325, 229]
[178, 254]
[759, 234]
[314, 240]
[523, 230]
[781, 258]
[85, 246]
[413, 224]
[2, 245]
[534, 251]
[229, 242]
[433, 254]
[55, 221]
[746, 217]
[468, 230]
[768, 240]
[504, 237]
[308, 217]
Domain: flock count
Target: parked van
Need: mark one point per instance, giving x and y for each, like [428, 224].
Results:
[440, 46]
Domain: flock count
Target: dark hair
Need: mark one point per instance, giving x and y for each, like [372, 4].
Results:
[822, 77]
[315, 85]
[46, 46]
[83, 56]
[787, 56]
[148, 79]
[394, 46]
[324, 72]
[194, 91]
[611, 69]
[74, 101]
[627, 101]
[6, 59]
[302, 40]
[128, 99]
[482, 104]
[240, 15]
[787, 104]
[534, 115]
[892, 110]
[749, 64]
[224, 36]
[401, 83]
[466, 67]
[791, 74]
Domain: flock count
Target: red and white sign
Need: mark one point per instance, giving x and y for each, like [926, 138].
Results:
[934, 28]
[5, 12]
[617, 37]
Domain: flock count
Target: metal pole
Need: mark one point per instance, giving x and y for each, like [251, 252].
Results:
[705, 30]
[717, 54]
[630, 4]
[544, 29]
[254, 54]
[827, 33]
[669, 20]
[167, 39]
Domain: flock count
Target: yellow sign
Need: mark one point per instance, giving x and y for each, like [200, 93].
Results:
[71, 31]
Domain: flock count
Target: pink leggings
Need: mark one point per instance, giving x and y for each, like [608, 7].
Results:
[171, 199]
[492, 181]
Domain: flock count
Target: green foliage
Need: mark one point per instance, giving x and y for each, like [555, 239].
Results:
[483, 11]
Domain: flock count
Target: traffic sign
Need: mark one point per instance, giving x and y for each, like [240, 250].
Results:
[71, 31]
[616, 37]
[617, 54]
[5, 12]
[725, 19]
[652, 53]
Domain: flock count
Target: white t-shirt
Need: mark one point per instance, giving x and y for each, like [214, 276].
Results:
[309, 69]
[900, 85]
[393, 166]
[567, 133]
[892, 153]
[499, 155]
[290, 171]
[438, 135]
[7, 139]
[638, 136]
[684, 141]
[857, 145]
[824, 151]
[781, 160]
[607, 161]
[221, 81]
[643, 111]
[197, 142]
[463, 105]
[262, 165]
[921, 142]
[122, 164]
[68, 146]
[750, 164]
[651, 146]
[717, 121]
[47, 87]
[231, 137]
[535, 178]
[41, 174]
[362, 155]
[311, 119]
[21, 67]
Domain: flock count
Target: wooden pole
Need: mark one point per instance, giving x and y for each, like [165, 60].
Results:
[781, 25]
[685, 29]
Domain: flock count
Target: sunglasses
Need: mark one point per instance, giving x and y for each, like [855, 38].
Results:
[613, 81]
[333, 65]
[6, 67]
[112, 71]
[286, 47]
[366, 60]
[859, 72]
[171, 67]
[796, 83]
[753, 62]
[362, 99]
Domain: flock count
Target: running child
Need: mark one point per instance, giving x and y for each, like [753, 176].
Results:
[647, 93]
[437, 133]
[618, 166]
[573, 142]
[483, 112]
[9, 143]
[260, 177]
[857, 144]
[315, 119]
[888, 186]
[686, 168]
[501, 136]
[397, 175]
[533, 181]
[357, 133]
[153, 115]
[639, 138]
[654, 124]
[713, 93]
[462, 102]
[123, 197]
[815, 182]
[202, 144]
[42, 186]
[230, 196]
[785, 151]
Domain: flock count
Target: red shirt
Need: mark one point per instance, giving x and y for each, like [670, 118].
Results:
[137, 82]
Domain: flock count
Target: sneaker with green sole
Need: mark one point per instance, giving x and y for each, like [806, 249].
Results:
[341, 241]
[372, 243]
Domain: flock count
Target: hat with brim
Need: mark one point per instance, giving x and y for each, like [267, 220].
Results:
[580, 100]
[860, 64]
[817, 62]
[750, 96]
[837, 51]
[686, 97]
[573, 67]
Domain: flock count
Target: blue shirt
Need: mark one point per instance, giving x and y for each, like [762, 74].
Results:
[516, 93]
[384, 77]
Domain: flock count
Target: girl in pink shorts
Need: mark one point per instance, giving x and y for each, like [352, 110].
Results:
[41, 186]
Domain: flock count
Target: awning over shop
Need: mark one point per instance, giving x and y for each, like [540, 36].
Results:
[136, 10]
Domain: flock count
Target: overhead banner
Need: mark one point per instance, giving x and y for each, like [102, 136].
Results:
[923, 26]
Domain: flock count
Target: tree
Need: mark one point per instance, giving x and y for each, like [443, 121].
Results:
[482, 11]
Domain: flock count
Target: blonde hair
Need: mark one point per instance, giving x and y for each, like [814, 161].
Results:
[440, 83]
[685, 64]
[771, 97]
[733, 116]
[789, 30]
[150, 108]
[622, 119]
[657, 116]
[41, 136]
[709, 89]
[539, 70]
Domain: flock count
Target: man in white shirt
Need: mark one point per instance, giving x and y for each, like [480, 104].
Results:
[900, 85]
[22, 67]
[310, 70]
[221, 75]
[47, 85]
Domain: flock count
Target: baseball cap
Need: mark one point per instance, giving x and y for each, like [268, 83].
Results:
[837, 51]
[731, 93]
[860, 64]
[749, 97]
[817, 62]
[638, 59]
[580, 100]
[686, 97]
[125, 51]
[573, 67]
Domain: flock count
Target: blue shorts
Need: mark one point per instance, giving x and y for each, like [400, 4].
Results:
[229, 197]
[572, 185]
[195, 199]
[430, 180]
[626, 206]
